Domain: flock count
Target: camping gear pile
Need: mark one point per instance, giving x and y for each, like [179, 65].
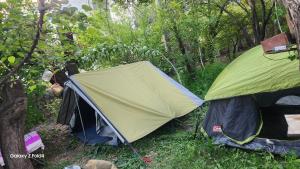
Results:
[33, 142]
[250, 99]
[56, 88]
[58, 77]
[123, 103]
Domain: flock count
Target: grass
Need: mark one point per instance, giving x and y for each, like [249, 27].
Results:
[174, 147]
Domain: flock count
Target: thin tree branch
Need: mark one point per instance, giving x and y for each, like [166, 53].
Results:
[266, 19]
[234, 18]
[242, 6]
[270, 13]
[27, 58]
[237, 22]
[215, 27]
[263, 6]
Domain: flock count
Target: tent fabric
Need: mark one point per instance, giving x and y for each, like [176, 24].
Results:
[79, 92]
[248, 102]
[137, 98]
[255, 72]
[270, 98]
[289, 100]
[237, 118]
[261, 144]
[67, 106]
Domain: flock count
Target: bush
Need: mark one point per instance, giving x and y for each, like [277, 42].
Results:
[34, 114]
[205, 78]
[40, 106]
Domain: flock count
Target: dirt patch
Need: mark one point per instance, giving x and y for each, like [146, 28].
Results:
[60, 145]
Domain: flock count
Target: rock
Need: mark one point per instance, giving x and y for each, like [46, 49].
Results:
[99, 164]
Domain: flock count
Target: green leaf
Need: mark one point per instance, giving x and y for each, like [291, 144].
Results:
[11, 60]
[33, 87]
[86, 8]
[3, 59]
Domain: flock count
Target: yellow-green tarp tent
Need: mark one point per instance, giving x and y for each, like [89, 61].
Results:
[135, 99]
[256, 72]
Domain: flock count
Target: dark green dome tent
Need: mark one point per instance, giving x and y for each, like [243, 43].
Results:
[251, 100]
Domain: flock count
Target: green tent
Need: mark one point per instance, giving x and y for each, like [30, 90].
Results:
[256, 72]
[250, 100]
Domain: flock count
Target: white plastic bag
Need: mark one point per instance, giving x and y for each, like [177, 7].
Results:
[72, 167]
[47, 75]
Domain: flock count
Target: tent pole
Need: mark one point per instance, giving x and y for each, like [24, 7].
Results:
[85, 140]
[197, 122]
[120, 136]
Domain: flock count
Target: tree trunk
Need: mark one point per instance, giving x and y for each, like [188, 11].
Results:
[266, 18]
[291, 27]
[166, 39]
[168, 49]
[182, 48]
[12, 115]
[293, 8]
[255, 21]
[201, 57]
[108, 16]
[259, 23]
[235, 46]
[240, 24]
[247, 37]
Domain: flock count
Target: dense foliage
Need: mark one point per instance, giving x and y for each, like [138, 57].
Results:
[175, 35]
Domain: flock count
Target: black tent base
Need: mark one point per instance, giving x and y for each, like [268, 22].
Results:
[281, 147]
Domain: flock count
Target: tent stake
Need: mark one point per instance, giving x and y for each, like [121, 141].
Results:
[136, 153]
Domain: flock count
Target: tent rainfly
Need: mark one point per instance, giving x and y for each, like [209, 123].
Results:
[250, 100]
[123, 103]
